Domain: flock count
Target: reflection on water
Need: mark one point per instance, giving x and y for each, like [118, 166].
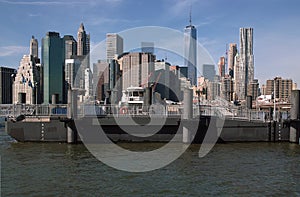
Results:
[55, 169]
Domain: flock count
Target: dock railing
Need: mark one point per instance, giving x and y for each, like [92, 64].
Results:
[204, 109]
[14, 110]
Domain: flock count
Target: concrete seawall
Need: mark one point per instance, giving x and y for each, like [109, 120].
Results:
[48, 129]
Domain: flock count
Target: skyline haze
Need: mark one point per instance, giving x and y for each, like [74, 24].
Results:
[275, 25]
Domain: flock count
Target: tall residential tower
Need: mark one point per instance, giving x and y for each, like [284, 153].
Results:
[230, 58]
[114, 46]
[244, 71]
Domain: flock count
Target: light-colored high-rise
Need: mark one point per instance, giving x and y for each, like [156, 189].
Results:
[88, 84]
[221, 66]
[100, 79]
[136, 69]
[227, 88]
[246, 54]
[114, 46]
[283, 88]
[26, 84]
[71, 68]
[190, 52]
[230, 58]
[83, 41]
[239, 87]
[244, 73]
[70, 45]
[253, 89]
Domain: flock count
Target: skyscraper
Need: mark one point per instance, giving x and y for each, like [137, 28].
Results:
[253, 89]
[83, 50]
[209, 71]
[34, 47]
[26, 87]
[246, 52]
[83, 41]
[230, 58]
[71, 68]
[147, 47]
[100, 79]
[246, 57]
[190, 51]
[53, 63]
[244, 64]
[136, 69]
[70, 46]
[283, 88]
[6, 84]
[221, 65]
[114, 46]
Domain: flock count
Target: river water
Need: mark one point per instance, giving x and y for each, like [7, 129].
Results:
[241, 169]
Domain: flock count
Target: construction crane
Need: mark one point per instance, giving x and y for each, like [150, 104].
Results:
[155, 83]
[146, 80]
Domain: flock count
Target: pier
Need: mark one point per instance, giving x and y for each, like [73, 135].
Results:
[58, 123]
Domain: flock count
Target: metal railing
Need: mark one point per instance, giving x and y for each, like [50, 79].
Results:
[14, 110]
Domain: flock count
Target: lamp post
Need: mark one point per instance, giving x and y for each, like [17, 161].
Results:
[12, 87]
[36, 96]
[274, 111]
[13, 92]
[198, 94]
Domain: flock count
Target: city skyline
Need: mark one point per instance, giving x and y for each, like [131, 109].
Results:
[208, 17]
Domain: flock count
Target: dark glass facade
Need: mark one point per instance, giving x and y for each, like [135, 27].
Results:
[53, 63]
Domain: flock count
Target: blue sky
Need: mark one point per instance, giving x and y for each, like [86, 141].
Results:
[276, 26]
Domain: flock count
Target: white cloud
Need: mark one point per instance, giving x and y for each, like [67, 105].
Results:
[207, 42]
[33, 15]
[13, 50]
[181, 6]
[103, 20]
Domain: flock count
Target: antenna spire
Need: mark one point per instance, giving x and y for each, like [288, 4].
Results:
[190, 16]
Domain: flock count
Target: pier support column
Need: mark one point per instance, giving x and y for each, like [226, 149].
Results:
[295, 115]
[147, 99]
[69, 104]
[71, 115]
[249, 102]
[74, 104]
[187, 114]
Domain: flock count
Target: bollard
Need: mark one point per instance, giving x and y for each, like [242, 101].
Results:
[188, 104]
[55, 98]
[295, 115]
[187, 114]
[70, 135]
[186, 135]
[21, 98]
